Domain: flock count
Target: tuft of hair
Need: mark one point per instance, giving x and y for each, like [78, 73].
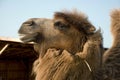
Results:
[115, 26]
[115, 21]
[111, 57]
[78, 19]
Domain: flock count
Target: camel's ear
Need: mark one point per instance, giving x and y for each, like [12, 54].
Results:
[91, 29]
[96, 35]
[99, 31]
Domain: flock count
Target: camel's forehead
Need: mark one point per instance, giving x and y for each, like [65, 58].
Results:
[40, 20]
[45, 19]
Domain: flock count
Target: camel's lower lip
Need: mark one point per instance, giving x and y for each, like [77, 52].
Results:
[28, 37]
[25, 38]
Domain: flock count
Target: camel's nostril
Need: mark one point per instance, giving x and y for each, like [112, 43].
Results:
[28, 23]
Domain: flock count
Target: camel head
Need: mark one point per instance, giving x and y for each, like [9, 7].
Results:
[67, 30]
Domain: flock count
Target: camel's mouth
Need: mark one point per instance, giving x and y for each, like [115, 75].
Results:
[28, 37]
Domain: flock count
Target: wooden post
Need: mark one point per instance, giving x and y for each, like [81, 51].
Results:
[3, 49]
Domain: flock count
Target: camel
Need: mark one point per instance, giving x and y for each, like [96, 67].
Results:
[69, 47]
[111, 58]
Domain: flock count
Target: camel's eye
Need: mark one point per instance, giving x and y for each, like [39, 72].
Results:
[61, 26]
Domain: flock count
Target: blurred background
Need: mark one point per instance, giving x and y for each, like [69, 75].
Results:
[14, 12]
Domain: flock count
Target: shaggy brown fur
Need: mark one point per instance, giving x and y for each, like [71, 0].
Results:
[68, 33]
[112, 56]
[78, 20]
[65, 66]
